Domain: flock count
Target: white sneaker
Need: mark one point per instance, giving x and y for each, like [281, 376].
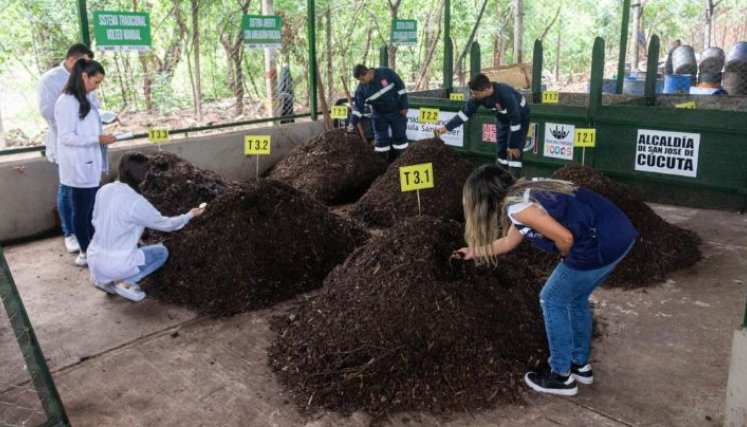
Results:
[71, 243]
[131, 292]
[109, 287]
[81, 261]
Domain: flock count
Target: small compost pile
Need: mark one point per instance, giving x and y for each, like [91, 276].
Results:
[661, 247]
[174, 186]
[335, 167]
[256, 244]
[401, 327]
[384, 204]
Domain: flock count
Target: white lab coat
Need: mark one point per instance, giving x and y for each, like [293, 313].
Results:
[49, 89]
[81, 158]
[120, 216]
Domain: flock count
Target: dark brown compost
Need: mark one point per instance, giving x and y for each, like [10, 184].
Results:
[335, 167]
[384, 204]
[398, 327]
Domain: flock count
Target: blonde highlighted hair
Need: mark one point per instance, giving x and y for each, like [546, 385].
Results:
[486, 194]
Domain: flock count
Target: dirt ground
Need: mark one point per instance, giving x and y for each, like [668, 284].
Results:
[662, 359]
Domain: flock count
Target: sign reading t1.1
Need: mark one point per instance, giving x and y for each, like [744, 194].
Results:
[121, 30]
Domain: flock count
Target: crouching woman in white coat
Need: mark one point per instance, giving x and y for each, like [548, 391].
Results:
[120, 216]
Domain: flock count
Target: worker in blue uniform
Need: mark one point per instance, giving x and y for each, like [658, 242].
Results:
[383, 90]
[512, 119]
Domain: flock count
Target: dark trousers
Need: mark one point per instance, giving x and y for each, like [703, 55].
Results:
[382, 123]
[83, 200]
[504, 135]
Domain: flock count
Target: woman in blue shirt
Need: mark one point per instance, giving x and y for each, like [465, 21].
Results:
[590, 233]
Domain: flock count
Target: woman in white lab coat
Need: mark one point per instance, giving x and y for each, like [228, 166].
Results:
[81, 146]
[120, 216]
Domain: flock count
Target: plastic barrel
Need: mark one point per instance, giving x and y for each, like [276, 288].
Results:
[677, 83]
[609, 85]
[736, 60]
[634, 86]
[683, 60]
[711, 60]
[659, 85]
[709, 77]
[735, 83]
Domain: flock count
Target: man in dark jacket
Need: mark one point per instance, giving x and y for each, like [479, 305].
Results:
[512, 119]
[383, 90]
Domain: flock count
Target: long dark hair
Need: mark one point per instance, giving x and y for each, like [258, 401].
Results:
[77, 88]
[132, 169]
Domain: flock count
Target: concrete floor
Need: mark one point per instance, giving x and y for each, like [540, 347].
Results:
[663, 359]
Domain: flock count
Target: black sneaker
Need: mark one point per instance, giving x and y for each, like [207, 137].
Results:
[546, 381]
[582, 373]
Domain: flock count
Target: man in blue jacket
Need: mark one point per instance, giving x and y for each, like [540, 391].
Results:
[512, 119]
[383, 90]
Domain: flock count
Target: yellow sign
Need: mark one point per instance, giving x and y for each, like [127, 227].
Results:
[689, 105]
[550, 97]
[339, 112]
[585, 138]
[158, 135]
[429, 115]
[416, 177]
[256, 144]
[456, 96]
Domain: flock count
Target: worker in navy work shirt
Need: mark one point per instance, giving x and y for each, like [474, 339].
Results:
[383, 90]
[512, 119]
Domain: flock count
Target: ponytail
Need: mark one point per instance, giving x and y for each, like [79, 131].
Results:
[75, 85]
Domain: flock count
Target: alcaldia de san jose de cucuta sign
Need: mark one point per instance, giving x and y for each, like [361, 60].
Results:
[115, 30]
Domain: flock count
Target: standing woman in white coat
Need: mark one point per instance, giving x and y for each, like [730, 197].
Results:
[120, 217]
[81, 146]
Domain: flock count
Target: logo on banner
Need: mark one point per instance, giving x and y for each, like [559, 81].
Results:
[670, 153]
[559, 141]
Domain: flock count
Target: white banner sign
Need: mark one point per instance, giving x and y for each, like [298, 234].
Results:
[670, 153]
[559, 141]
[417, 130]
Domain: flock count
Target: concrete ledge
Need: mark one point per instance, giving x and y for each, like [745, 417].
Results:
[735, 414]
[28, 188]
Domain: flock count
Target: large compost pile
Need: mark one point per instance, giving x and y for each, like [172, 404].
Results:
[400, 327]
[660, 249]
[384, 204]
[334, 167]
[174, 186]
[256, 244]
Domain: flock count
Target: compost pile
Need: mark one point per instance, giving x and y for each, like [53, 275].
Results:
[384, 204]
[335, 167]
[174, 186]
[661, 247]
[256, 244]
[401, 327]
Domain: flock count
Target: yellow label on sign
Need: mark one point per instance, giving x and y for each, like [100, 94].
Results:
[456, 96]
[550, 97]
[689, 105]
[339, 112]
[585, 138]
[416, 177]
[158, 135]
[429, 115]
[256, 144]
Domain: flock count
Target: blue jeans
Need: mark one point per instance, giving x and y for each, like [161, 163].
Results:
[565, 307]
[155, 257]
[82, 209]
[65, 209]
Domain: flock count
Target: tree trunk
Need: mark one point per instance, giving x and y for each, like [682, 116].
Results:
[366, 47]
[393, 9]
[557, 50]
[271, 72]
[518, 31]
[330, 70]
[197, 93]
[636, 34]
[466, 49]
[433, 40]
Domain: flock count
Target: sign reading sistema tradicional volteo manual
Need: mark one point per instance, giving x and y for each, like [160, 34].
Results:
[121, 30]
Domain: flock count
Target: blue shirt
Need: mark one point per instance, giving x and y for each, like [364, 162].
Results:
[386, 93]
